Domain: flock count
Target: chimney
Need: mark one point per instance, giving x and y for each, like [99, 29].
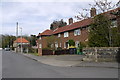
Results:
[70, 21]
[92, 12]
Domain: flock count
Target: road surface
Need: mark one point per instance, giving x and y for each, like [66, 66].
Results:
[16, 65]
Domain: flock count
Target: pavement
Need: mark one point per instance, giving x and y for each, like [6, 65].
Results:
[70, 61]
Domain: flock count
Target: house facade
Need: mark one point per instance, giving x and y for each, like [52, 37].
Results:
[77, 31]
[21, 44]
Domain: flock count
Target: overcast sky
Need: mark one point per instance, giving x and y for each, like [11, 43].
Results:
[35, 16]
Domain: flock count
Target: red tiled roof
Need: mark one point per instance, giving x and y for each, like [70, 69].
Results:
[108, 13]
[75, 25]
[67, 28]
[46, 32]
[18, 40]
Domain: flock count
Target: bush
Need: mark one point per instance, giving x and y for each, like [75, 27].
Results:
[59, 48]
[71, 42]
[46, 48]
[32, 50]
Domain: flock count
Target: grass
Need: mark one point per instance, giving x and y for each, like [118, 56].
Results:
[35, 54]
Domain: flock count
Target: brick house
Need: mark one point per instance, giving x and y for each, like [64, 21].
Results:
[78, 31]
[17, 44]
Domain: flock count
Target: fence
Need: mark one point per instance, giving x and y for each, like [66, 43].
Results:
[57, 52]
[101, 53]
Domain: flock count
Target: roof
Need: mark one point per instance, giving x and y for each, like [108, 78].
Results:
[67, 28]
[108, 13]
[76, 25]
[46, 32]
[18, 40]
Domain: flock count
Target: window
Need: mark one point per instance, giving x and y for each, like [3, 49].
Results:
[77, 44]
[52, 45]
[64, 44]
[40, 37]
[76, 32]
[56, 45]
[88, 29]
[40, 45]
[114, 23]
[60, 45]
[59, 35]
[66, 34]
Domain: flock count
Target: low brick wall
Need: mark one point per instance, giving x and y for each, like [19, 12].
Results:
[57, 52]
[47, 52]
[100, 53]
[61, 52]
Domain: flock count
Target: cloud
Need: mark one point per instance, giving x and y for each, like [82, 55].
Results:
[47, 0]
[34, 16]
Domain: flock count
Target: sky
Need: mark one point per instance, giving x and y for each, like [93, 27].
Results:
[35, 16]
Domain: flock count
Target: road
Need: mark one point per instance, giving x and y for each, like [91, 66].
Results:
[18, 66]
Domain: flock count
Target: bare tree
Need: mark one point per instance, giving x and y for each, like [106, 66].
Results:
[100, 5]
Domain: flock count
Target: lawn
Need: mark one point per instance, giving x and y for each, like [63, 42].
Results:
[36, 54]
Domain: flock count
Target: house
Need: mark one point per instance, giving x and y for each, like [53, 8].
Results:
[78, 31]
[21, 44]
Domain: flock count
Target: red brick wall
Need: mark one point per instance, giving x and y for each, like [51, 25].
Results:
[81, 38]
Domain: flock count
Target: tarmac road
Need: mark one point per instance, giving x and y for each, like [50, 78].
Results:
[15, 65]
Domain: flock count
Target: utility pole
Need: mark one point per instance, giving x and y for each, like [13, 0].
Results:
[16, 37]
[21, 40]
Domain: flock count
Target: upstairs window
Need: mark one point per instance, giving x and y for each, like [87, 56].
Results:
[66, 34]
[77, 32]
[114, 23]
[59, 35]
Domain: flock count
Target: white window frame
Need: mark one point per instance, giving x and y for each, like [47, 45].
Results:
[56, 44]
[77, 32]
[40, 38]
[66, 34]
[52, 45]
[64, 44]
[60, 44]
[40, 45]
[114, 23]
[76, 43]
[59, 35]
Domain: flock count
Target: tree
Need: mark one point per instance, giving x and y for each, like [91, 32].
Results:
[7, 41]
[99, 32]
[103, 5]
[100, 5]
[57, 24]
[51, 42]
[115, 37]
[33, 39]
[71, 42]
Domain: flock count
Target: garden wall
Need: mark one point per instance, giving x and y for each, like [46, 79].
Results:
[101, 53]
[47, 52]
[57, 52]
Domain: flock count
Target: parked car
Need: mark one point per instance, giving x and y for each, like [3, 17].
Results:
[7, 49]
[0, 48]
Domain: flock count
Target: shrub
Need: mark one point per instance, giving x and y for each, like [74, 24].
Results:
[71, 42]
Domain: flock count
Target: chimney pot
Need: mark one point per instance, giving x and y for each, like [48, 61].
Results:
[70, 21]
[93, 12]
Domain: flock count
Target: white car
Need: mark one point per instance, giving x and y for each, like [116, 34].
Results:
[0, 48]
[7, 49]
